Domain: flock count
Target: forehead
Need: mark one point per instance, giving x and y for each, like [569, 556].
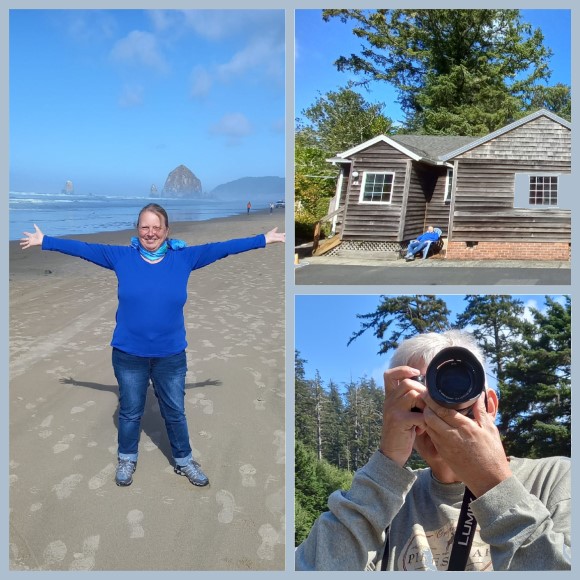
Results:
[150, 217]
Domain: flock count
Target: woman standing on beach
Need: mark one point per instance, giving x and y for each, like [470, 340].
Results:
[149, 338]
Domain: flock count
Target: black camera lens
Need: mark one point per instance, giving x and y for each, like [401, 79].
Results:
[455, 378]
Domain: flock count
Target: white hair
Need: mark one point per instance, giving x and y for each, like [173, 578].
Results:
[419, 350]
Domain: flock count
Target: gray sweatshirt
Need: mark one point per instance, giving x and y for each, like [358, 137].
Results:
[523, 523]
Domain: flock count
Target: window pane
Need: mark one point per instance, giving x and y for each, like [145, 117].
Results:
[543, 190]
[378, 187]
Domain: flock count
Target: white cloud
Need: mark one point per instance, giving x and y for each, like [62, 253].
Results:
[232, 125]
[531, 303]
[88, 27]
[140, 48]
[162, 20]
[201, 82]
[262, 54]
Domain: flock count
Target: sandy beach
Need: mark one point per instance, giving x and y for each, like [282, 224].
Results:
[66, 513]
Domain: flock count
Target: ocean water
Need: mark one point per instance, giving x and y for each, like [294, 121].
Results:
[61, 214]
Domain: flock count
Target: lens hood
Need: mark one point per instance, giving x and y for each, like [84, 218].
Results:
[455, 377]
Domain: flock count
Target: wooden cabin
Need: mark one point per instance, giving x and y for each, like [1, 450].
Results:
[506, 195]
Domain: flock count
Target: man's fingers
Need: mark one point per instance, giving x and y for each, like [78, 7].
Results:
[392, 377]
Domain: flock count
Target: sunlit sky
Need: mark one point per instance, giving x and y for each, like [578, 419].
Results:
[324, 324]
[319, 44]
[115, 99]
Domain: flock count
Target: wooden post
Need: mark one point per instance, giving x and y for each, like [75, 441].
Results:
[316, 237]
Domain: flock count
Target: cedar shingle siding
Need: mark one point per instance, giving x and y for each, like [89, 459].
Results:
[484, 169]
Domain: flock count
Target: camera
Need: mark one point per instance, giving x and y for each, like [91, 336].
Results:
[455, 378]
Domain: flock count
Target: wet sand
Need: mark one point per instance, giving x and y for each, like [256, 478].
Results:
[66, 513]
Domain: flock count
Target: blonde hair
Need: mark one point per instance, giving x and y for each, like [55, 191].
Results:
[157, 210]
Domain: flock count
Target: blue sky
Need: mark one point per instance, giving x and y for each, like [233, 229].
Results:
[116, 99]
[324, 324]
[319, 44]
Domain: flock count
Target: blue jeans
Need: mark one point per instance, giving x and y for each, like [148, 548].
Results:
[167, 375]
[415, 247]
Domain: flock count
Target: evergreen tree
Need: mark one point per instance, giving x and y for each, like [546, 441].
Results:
[333, 426]
[310, 493]
[405, 316]
[535, 407]
[497, 324]
[305, 401]
[457, 72]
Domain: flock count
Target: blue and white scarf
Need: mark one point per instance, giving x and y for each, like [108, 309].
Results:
[159, 252]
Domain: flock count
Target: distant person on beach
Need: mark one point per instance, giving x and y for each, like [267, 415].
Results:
[271, 207]
[149, 339]
[249, 207]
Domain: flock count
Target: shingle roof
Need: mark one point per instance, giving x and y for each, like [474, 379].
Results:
[432, 146]
[439, 149]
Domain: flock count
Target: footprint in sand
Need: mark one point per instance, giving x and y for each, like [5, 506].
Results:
[86, 559]
[67, 485]
[97, 481]
[63, 444]
[260, 404]
[269, 539]
[47, 421]
[207, 405]
[226, 500]
[82, 408]
[54, 553]
[257, 377]
[196, 399]
[248, 471]
[134, 519]
[280, 442]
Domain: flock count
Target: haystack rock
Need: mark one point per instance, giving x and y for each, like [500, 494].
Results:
[181, 182]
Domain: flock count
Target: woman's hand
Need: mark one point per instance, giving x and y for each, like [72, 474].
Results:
[273, 236]
[34, 239]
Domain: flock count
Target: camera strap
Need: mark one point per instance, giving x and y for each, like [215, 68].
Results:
[463, 534]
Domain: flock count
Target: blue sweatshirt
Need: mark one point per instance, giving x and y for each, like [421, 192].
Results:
[428, 236]
[150, 321]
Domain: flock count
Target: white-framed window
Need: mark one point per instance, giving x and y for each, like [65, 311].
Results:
[448, 186]
[377, 187]
[543, 190]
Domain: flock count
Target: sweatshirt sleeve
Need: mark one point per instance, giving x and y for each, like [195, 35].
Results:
[99, 254]
[350, 535]
[208, 253]
[525, 533]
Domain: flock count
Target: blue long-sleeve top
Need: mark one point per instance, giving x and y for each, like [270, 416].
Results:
[150, 320]
[428, 236]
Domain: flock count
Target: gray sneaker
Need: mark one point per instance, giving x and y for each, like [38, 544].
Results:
[193, 472]
[125, 470]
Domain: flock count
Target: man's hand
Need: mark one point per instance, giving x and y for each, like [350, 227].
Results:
[400, 421]
[471, 447]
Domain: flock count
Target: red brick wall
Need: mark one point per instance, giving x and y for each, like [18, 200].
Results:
[555, 251]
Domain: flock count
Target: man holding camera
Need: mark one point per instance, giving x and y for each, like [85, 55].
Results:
[473, 508]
